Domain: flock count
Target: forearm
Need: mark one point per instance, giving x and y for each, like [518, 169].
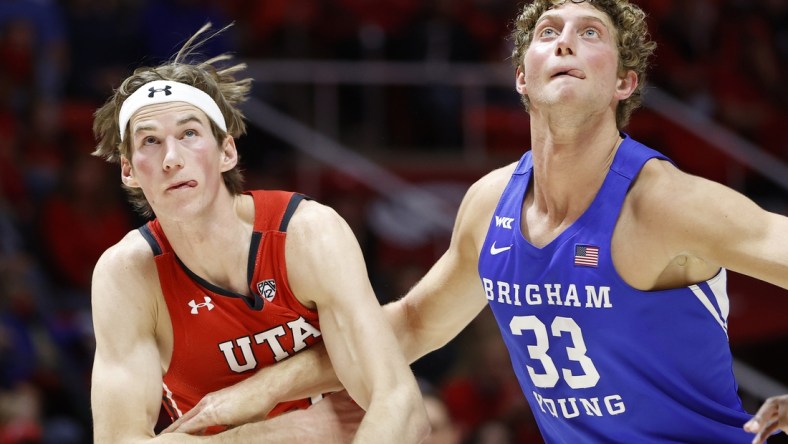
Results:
[303, 375]
[282, 429]
[420, 329]
[395, 411]
[311, 372]
[334, 419]
[396, 418]
[404, 322]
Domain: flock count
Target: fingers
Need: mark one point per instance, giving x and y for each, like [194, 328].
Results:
[194, 421]
[767, 410]
[766, 421]
[753, 425]
[765, 432]
[194, 425]
[177, 423]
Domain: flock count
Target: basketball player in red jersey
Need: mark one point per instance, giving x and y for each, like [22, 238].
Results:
[223, 283]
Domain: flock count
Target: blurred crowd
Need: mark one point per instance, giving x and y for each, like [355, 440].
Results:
[60, 207]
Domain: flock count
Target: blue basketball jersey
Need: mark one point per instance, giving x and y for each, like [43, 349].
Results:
[598, 360]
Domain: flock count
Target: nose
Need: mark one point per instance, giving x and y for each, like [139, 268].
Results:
[565, 44]
[172, 154]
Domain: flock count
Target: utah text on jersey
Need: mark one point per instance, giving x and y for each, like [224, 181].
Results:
[299, 329]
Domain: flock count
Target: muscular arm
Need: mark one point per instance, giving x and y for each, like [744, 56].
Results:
[326, 267]
[701, 219]
[450, 295]
[126, 380]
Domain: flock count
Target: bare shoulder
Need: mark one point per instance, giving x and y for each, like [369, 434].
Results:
[312, 217]
[132, 254]
[125, 276]
[314, 231]
[656, 185]
[478, 206]
[663, 193]
[695, 215]
[320, 247]
[489, 188]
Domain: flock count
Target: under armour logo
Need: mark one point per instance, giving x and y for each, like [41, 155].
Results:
[195, 306]
[166, 91]
[267, 289]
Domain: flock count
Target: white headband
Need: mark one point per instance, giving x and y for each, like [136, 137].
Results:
[162, 91]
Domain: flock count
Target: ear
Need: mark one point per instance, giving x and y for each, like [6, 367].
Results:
[626, 85]
[127, 173]
[229, 154]
[519, 81]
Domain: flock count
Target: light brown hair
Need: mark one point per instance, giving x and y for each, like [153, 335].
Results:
[219, 82]
[632, 39]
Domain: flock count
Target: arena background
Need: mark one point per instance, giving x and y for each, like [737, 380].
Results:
[386, 110]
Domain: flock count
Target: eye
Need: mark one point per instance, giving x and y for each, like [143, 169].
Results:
[149, 140]
[189, 133]
[548, 32]
[591, 32]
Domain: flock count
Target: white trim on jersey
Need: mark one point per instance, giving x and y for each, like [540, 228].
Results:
[172, 400]
[717, 286]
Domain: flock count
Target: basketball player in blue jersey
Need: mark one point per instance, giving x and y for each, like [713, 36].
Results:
[603, 263]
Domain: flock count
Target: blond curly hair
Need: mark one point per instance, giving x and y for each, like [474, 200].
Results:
[633, 41]
[218, 82]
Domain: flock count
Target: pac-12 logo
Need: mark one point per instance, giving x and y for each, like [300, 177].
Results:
[504, 222]
[267, 289]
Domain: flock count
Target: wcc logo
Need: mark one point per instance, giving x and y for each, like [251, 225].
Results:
[504, 222]
[165, 90]
[267, 289]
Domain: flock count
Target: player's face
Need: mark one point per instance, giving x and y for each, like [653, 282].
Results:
[176, 159]
[572, 60]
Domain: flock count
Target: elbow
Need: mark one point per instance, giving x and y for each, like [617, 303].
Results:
[421, 426]
[406, 323]
[402, 414]
[418, 423]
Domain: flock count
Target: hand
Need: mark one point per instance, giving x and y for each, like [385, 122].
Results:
[772, 415]
[333, 420]
[230, 406]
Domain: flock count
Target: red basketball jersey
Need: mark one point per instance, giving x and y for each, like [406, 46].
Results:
[222, 337]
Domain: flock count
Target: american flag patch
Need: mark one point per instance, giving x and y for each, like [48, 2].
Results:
[586, 255]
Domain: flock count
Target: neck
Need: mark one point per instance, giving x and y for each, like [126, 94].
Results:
[214, 242]
[569, 168]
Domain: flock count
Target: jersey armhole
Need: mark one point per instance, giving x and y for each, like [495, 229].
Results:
[151, 239]
[295, 200]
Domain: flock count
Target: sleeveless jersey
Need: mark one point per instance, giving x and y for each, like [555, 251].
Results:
[598, 360]
[222, 337]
